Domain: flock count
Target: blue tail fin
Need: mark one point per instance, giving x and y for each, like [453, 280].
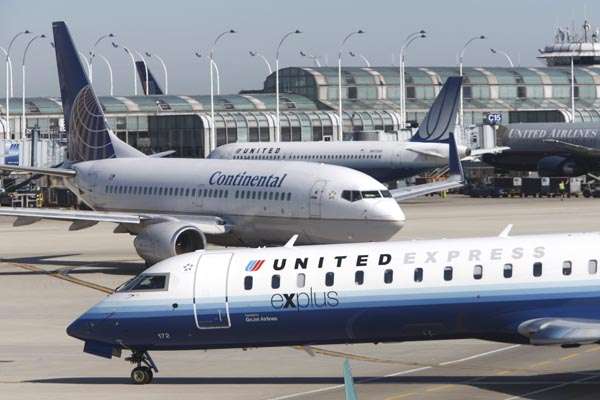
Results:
[454, 165]
[153, 87]
[441, 117]
[88, 133]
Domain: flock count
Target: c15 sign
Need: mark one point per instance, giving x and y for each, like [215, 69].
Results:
[494, 118]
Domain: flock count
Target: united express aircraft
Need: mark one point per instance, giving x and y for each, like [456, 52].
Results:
[539, 290]
[178, 205]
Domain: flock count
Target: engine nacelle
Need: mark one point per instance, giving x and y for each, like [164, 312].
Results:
[159, 241]
[558, 166]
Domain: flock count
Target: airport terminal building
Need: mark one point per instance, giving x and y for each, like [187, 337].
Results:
[309, 106]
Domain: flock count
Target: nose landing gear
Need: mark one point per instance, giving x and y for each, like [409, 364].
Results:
[143, 373]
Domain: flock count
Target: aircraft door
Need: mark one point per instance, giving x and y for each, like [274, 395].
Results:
[316, 195]
[211, 308]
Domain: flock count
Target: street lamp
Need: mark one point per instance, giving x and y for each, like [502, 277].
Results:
[23, 123]
[267, 63]
[110, 72]
[218, 77]
[130, 54]
[341, 126]
[505, 54]
[84, 58]
[314, 58]
[164, 66]
[365, 60]
[460, 68]
[213, 136]
[93, 53]
[277, 120]
[9, 68]
[409, 39]
[3, 50]
[147, 92]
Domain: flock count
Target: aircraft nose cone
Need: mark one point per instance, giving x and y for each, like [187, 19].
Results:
[77, 329]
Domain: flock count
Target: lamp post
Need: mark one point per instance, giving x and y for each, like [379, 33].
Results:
[365, 60]
[23, 122]
[3, 50]
[409, 39]
[8, 94]
[164, 66]
[85, 60]
[126, 49]
[93, 54]
[315, 59]
[218, 77]
[213, 136]
[341, 122]
[267, 63]
[505, 54]
[277, 119]
[145, 70]
[572, 90]
[110, 72]
[460, 67]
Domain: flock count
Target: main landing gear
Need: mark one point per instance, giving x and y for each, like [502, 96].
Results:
[142, 374]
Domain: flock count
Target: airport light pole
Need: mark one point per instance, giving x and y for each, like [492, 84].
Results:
[213, 136]
[23, 122]
[9, 83]
[505, 54]
[10, 68]
[130, 54]
[461, 55]
[407, 42]
[365, 59]
[141, 56]
[93, 54]
[277, 120]
[164, 66]
[218, 77]
[314, 58]
[110, 72]
[267, 63]
[572, 90]
[341, 121]
[84, 58]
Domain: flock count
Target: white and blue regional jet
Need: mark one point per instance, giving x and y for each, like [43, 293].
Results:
[175, 205]
[539, 290]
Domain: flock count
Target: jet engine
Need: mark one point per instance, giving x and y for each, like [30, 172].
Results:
[159, 241]
[558, 166]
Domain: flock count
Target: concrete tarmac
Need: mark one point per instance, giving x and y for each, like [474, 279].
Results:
[49, 276]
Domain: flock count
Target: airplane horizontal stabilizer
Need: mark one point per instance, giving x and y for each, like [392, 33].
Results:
[35, 170]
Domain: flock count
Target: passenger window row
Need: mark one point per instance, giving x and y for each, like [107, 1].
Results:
[260, 195]
[388, 274]
[308, 157]
[166, 191]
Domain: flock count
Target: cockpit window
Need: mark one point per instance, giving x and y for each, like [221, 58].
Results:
[351, 195]
[371, 194]
[146, 282]
[386, 193]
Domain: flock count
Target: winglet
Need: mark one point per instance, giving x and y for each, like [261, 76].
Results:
[290, 243]
[506, 231]
[349, 382]
[454, 165]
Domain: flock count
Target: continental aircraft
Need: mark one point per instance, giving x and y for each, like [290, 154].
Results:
[153, 86]
[383, 160]
[178, 205]
[538, 290]
[551, 149]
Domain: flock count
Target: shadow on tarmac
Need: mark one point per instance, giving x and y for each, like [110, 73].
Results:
[73, 267]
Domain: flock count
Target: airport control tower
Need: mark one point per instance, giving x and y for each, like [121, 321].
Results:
[584, 48]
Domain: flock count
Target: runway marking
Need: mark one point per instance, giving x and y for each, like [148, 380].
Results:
[57, 274]
[570, 356]
[593, 349]
[400, 396]
[378, 378]
[438, 388]
[539, 364]
[522, 396]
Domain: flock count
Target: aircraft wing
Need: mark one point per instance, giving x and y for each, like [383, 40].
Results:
[455, 180]
[35, 170]
[563, 331]
[491, 150]
[577, 149]
[84, 219]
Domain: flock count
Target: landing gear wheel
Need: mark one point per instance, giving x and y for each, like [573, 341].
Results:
[141, 375]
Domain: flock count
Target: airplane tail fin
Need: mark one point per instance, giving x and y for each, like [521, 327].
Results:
[89, 135]
[441, 117]
[153, 87]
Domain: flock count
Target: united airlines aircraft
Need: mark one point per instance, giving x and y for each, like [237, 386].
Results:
[539, 290]
[384, 160]
[178, 205]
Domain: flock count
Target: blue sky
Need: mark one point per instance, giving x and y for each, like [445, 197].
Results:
[175, 29]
